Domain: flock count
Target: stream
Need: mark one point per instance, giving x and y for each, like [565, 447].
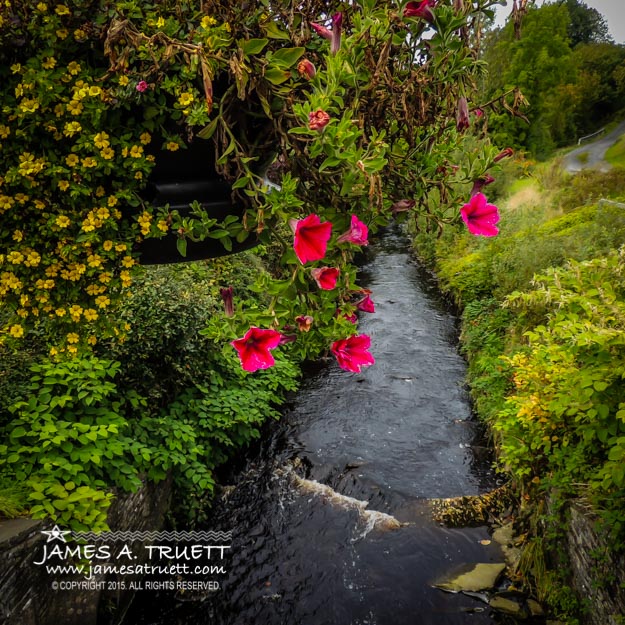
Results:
[330, 520]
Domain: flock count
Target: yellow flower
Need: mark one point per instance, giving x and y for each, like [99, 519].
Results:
[107, 153]
[160, 22]
[145, 138]
[101, 140]
[227, 27]
[41, 6]
[71, 349]
[103, 212]
[121, 247]
[21, 198]
[59, 110]
[208, 21]
[138, 175]
[89, 161]
[18, 235]
[49, 63]
[29, 165]
[107, 246]
[136, 151]
[128, 261]
[53, 270]
[39, 205]
[72, 160]
[62, 221]
[75, 311]
[123, 80]
[126, 279]
[16, 68]
[185, 98]
[80, 34]
[73, 68]
[172, 146]
[5, 131]
[72, 337]
[61, 9]
[6, 202]
[94, 91]
[162, 225]
[16, 331]
[15, 257]
[22, 312]
[92, 340]
[75, 107]
[62, 33]
[32, 259]
[105, 277]
[112, 201]
[94, 260]
[63, 185]
[53, 351]
[90, 314]
[102, 301]
[71, 128]
[60, 312]
[99, 192]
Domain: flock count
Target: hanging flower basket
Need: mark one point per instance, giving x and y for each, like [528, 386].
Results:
[179, 179]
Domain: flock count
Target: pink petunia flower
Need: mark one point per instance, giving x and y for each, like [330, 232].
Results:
[420, 9]
[357, 233]
[352, 353]
[254, 348]
[480, 217]
[141, 86]
[366, 304]
[318, 119]
[311, 238]
[325, 277]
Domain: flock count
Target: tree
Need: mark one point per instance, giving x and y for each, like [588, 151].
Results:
[586, 24]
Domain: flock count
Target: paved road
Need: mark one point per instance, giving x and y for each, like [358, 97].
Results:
[595, 150]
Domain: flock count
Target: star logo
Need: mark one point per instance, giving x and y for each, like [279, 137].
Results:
[56, 533]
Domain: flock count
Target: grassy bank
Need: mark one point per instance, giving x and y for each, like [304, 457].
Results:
[542, 329]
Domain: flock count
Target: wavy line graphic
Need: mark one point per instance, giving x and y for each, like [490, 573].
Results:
[130, 536]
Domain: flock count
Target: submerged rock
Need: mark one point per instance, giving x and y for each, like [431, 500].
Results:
[510, 606]
[471, 577]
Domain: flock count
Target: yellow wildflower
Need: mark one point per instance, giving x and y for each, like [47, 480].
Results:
[136, 151]
[62, 33]
[75, 311]
[75, 107]
[15, 257]
[162, 225]
[90, 314]
[186, 98]
[49, 63]
[128, 261]
[145, 138]
[18, 235]
[80, 34]
[126, 279]
[5, 131]
[61, 9]
[72, 349]
[72, 160]
[16, 331]
[107, 154]
[112, 201]
[208, 21]
[62, 221]
[71, 128]
[32, 259]
[73, 68]
[92, 340]
[160, 22]
[121, 247]
[102, 301]
[94, 260]
[94, 91]
[123, 80]
[72, 337]
[107, 246]
[63, 185]
[89, 161]
[172, 146]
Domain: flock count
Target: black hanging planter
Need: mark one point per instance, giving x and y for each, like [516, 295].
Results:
[178, 179]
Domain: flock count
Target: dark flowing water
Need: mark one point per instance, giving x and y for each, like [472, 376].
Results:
[381, 441]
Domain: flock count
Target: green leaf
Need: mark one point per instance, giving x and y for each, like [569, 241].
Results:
[241, 182]
[208, 131]
[273, 31]
[277, 76]
[254, 46]
[287, 57]
[224, 157]
[181, 245]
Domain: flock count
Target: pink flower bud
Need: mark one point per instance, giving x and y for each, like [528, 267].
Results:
[306, 69]
[141, 86]
[318, 119]
[462, 114]
[503, 154]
